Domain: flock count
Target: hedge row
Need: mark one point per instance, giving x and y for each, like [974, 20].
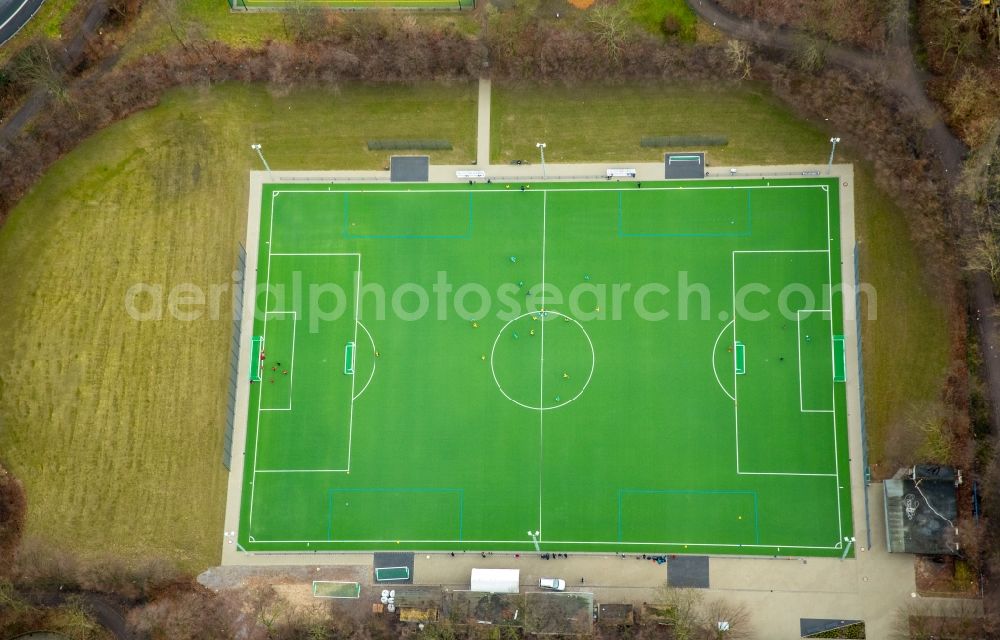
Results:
[684, 141]
[409, 145]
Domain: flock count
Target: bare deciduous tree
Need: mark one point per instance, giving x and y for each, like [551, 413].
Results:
[681, 608]
[954, 619]
[739, 54]
[725, 620]
[13, 507]
[810, 53]
[39, 67]
[303, 21]
[169, 11]
[612, 27]
[982, 253]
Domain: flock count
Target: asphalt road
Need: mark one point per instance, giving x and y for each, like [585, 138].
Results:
[14, 14]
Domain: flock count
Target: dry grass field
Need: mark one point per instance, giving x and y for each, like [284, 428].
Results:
[116, 425]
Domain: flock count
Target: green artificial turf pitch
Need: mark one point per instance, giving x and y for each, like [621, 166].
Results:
[578, 416]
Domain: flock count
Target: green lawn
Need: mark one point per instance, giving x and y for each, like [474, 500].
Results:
[356, 4]
[652, 15]
[905, 329]
[114, 425]
[213, 20]
[198, 19]
[599, 123]
[610, 424]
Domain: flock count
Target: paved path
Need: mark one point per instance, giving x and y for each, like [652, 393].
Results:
[895, 70]
[14, 14]
[783, 39]
[68, 58]
[483, 125]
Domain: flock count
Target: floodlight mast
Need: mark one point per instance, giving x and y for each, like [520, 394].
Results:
[833, 148]
[256, 147]
[541, 150]
[534, 538]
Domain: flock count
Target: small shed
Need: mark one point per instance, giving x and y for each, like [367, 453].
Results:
[921, 507]
[496, 580]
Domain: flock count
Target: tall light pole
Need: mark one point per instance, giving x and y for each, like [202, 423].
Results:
[256, 147]
[541, 150]
[847, 547]
[833, 147]
[534, 538]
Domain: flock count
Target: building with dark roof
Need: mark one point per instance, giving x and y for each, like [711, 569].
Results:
[921, 508]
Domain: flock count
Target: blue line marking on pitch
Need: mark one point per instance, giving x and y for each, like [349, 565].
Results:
[331, 492]
[405, 236]
[621, 222]
[728, 234]
[756, 509]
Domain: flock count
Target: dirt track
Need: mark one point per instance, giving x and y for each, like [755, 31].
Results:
[104, 610]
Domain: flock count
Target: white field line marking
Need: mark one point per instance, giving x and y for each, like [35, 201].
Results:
[256, 440]
[798, 329]
[301, 470]
[546, 190]
[715, 348]
[798, 348]
[735, 381]
[374, 359]
[291, 366]
[593, 362]
[833, 384]
[292, 372]
[736, 377]
[656, 542]
[357, 321]
[736, 393]
[779, 473]
[783, 251]
[316, 254]
[541, 376]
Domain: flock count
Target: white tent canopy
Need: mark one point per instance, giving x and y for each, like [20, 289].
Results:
[496, 580]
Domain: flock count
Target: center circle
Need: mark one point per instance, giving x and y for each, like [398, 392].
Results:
[542, 360]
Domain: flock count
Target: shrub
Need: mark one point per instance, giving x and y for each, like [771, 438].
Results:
[12, 510]
[671, 25]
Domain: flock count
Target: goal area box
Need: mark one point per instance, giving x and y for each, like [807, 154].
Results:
[687, 165]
